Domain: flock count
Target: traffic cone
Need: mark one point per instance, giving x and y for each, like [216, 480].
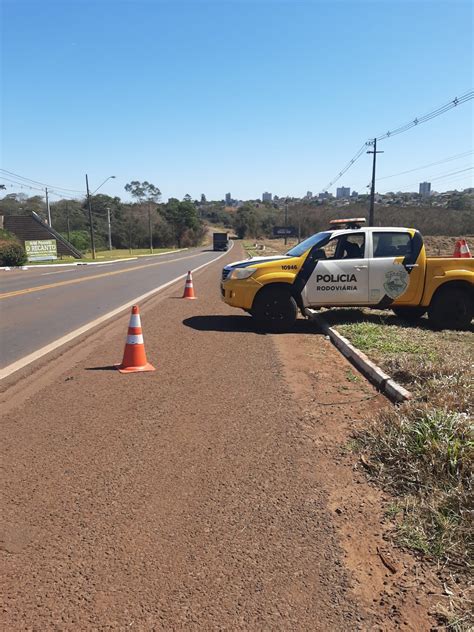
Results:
[188, 287]
[134, 356]
[461, 250]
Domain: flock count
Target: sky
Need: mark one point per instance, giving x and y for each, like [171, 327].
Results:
[239, 96]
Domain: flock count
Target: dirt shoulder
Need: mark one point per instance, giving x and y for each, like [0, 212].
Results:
[215, 493]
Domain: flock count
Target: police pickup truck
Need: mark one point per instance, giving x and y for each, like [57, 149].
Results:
[353, 266]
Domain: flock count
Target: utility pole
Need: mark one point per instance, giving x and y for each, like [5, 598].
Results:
[67, 223]
[286, 222]
[372, 190]
[109, 226]
[150, 228]
[91, 226]
[48, 209]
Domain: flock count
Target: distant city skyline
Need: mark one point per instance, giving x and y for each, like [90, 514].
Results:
[170, 94]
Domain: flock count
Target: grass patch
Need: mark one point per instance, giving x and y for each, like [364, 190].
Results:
[423, 450]
[367, 337]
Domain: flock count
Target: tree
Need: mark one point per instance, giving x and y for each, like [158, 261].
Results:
[182, 216]
[459, 202]
[203, 198]
[246, 222]
[143, 192]
[187, 198]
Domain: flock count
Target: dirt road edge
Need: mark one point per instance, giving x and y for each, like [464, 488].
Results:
[384, 382]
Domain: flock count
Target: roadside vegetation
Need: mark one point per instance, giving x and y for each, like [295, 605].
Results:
[12, 252]
[423, 451]
[182, 223]
[176, 223]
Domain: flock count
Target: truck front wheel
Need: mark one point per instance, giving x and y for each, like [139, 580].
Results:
[452, 308]
[274, 309]
[409, 313]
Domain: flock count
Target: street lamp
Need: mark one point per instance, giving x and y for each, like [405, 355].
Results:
[91, 226]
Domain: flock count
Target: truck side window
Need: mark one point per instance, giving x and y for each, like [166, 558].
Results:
[392, 244]
[345, 247]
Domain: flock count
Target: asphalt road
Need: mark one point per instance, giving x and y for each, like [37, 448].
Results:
[40, 305]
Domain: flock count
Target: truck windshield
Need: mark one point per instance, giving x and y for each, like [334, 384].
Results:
[305, 245]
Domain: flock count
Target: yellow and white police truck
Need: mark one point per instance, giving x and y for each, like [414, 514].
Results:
[353, 266]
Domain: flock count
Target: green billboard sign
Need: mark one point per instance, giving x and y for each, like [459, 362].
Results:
[41, 249]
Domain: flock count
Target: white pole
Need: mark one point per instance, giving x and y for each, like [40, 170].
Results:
[110, 229]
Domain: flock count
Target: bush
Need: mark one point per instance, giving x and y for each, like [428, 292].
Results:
[12, 253]
[80, 239]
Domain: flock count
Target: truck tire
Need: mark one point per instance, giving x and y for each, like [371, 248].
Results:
[274, 309]
[452, 308]
[409, 313]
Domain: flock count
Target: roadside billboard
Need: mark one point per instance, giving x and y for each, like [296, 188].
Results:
[284, 231]
[41, 249]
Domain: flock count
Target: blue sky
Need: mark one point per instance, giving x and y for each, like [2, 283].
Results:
[242, 96]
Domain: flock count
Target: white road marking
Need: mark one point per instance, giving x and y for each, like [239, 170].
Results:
[36, 355]
[58, 272]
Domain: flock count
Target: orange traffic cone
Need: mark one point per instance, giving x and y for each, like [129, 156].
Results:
[134, 356]
[461, 250]
[188, 287]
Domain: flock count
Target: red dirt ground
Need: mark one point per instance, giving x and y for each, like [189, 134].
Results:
[216, 493]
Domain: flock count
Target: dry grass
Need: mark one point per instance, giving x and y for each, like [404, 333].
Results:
[423, 450]
[268, 247]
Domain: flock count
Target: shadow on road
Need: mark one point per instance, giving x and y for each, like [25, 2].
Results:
[239, 324]
[111, 367]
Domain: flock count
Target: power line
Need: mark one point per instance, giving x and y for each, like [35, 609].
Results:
[442, 176]
[347, 167]
[431, 164]
[431, 115]
[21, 184]
[44, 184]
[25, 185]
[404, 128]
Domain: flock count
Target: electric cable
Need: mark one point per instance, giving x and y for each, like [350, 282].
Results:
[467, 96]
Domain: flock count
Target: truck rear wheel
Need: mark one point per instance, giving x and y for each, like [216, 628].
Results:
[274, 309]
[409, 313]
[452, 308]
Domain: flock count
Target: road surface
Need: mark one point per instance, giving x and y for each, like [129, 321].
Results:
[39, 305]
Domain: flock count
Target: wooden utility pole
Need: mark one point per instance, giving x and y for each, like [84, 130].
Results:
[91, 225]
[67, 223]
[372, 189]
[150, 227]
[48, 209]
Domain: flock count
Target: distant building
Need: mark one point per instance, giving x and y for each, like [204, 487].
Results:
[228, 199]
[266, 197]
[324, 195]
[309, 194]
[425, 189]
[342, 193]
[354, 194]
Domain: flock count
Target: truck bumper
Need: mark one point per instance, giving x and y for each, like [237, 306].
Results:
[239, 293]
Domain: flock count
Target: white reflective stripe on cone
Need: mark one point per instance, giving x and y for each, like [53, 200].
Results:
[135, 320]
[135, 340]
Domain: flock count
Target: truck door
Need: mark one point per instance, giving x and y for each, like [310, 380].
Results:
[341, 274]
[396, 268]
